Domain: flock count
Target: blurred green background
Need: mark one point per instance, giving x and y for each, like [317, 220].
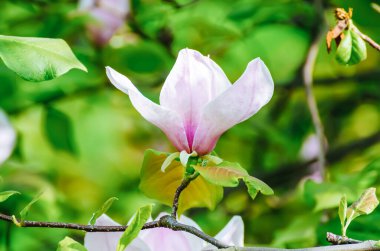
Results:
[81, 141]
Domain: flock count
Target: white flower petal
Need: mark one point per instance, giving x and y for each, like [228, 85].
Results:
[184, 157]
[159, 239]
[168, 161]
[251, 91]
[103, 241]
[232, 234]
[167, 120]
[7, 137]
[193, 82]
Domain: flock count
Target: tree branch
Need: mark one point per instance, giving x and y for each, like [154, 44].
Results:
[308, 83]
[364, 246]
[367, 38]
[185, 182]
[339, 240]
[166, 221]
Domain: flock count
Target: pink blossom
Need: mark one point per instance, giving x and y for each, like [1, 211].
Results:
[7, 137]
[158, 239]
[197, 101]
[107, 17]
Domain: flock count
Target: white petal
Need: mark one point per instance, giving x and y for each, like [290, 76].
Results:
[103, 241]
[251, 91]
[7, 137]
[167, 120]
[232, 234]
[159, 239]
[193, 82]
[184, 157]
[169, 160]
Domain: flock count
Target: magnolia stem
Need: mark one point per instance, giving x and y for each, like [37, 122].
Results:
[367, 38]
[185, 182]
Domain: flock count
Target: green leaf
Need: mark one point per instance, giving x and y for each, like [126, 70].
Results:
[59, 130]
[38, 59]
[352, 49]
[343, 212]
[5, 195]
[228, 174]
[377, 244]
[365, 205]
[68, 244]
[102, 210]
[199, 193]
[24, 213]
[142, 215]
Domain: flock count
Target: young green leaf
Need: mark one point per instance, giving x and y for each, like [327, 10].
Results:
[138, 221]
[68, 244]
[365, 205]
[228, 174]
[352, 49]
[24, 213]
[102, 210]
[343, 213]
[38, 59]
[199, 193]
[5, 195]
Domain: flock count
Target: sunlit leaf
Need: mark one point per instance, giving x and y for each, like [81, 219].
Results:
[365, 205]
[102, 210]
[59, 131]
[352, 49]
[38, 59]
[5, 195]
[343, 212]
[24, 212]
[162, 186]
[68, 244]
[228, 174]
[141, 217]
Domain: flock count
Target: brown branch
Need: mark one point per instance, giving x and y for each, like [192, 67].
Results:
[166, 221]
[185, 182]
[364, 246]
[366, 38]
[339, 240]
[308, 83]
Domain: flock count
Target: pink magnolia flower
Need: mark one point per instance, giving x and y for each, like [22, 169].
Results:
[108, 16]
[7, 137]
[158, 239]
[197, 101]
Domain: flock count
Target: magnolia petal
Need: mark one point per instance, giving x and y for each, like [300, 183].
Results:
[169, 160]
[167, 120]
[7, 137]
[232, 234]
[250, 92]
[193, 82]
[159, 239]
[184, 157]
[103, 241]
[212, 158]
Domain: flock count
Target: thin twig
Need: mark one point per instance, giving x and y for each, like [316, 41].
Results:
[367, 38]
[364, 246]
[339, 240]
[165, 221]
[308, 82]
[185, 182]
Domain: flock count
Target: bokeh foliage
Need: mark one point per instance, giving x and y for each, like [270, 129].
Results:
[81, 141]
